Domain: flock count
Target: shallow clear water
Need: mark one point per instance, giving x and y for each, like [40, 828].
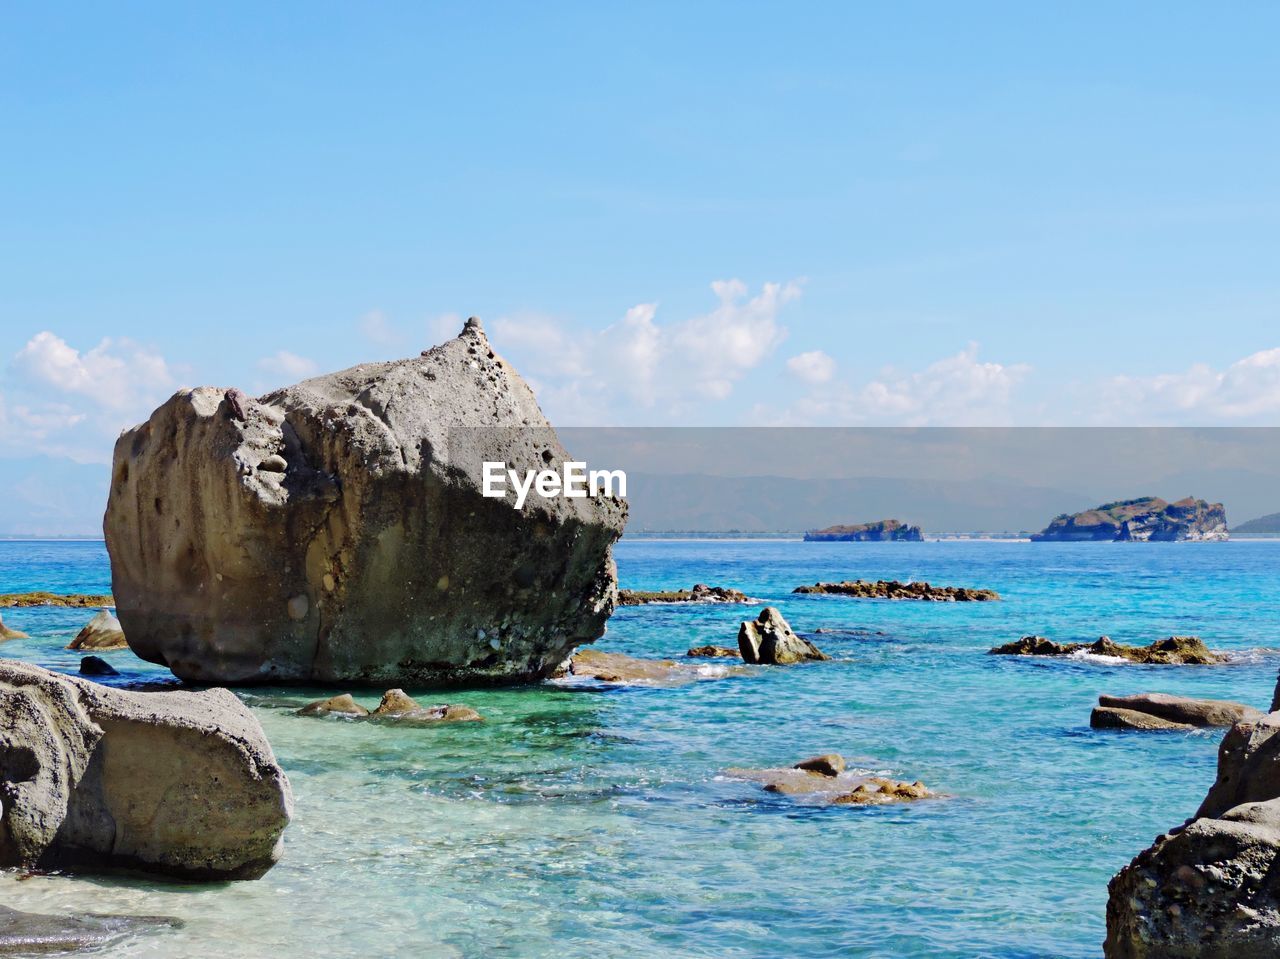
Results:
[596, 823]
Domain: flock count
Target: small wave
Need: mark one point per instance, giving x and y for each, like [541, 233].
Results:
[1085, 656]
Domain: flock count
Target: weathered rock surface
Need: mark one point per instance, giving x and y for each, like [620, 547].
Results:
[1174, 651]
[341, 705]
[78, 600]
[1149, 519]
[96, 666]
[713, 652]
[892, 589]
[1210, 889]
[881, 531]
[1179, 710]
[699, 593]
[30, 933]
[625, 670]
[825, 779]
[770, 640]
[182, 783]
[336, 530]
[101, 632]
[7, 633]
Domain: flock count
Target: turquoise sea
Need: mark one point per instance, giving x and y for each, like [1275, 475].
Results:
[592, 822]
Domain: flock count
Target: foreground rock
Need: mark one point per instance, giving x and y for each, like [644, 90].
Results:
[699, 593]
[632, 671]
[892, 589]
[336, 530]
[769, 640]
[713, 652]
[1161, 711]
[881, 531]
[1174, 651]
[1209, 889]
[182, 783]
[1149, 519]
[825, 779]
[395, 706]
[7, 633]
[27, 933]
[101, 632]
[77, 600]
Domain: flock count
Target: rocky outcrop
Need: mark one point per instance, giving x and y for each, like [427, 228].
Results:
[76, 600]
[713, 652]
[892, 589]
[337, 531]
[619, 669]
[1210, 889]
[30, 933]
[1149, 519]
[1162, 711]
[826, 779]
[182, 783]
[395, 706]
[101, 632]
[1174, 651]
[881, 531]
[699, 593]
[7, 633]
[770, 640]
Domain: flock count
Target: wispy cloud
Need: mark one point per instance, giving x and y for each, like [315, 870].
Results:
[287, 366]
[1247, 391]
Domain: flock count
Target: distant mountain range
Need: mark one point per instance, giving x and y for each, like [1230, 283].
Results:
[1268, 525]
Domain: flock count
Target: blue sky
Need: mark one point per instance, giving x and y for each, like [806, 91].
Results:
[911, 213]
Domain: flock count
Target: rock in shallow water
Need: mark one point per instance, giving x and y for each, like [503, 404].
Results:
[395, 706]
[1174, 651]
[96, 666]
[7, 633]
[1162, 711]
[713, 652]
[182, 783]
[622, 670]
[30, 933]
[770, 640]
[825, 779]
[1210, 889]
[372, 556]
[101, 632]
[699, 593]
[893, 589]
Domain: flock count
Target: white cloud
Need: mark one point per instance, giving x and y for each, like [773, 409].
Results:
[1246, 391]
[64, 402]
[377, 328]
[640, 367]
[288, 366]
[814, 367]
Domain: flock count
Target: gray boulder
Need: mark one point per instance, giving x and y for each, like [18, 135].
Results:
[1173, 711]
[1210, 889]
[769, 639]
[182, 783]
[336, 531]
[101, 632]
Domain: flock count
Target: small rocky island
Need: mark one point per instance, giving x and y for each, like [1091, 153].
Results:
[1149, 519]
[881, 531]
[893, 589]
[699, 593]
[1173, 651]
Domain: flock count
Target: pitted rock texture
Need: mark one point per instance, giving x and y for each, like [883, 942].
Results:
[182, 783]
[335, 531]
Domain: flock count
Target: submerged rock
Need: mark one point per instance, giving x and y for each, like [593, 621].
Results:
[1147, 710]
[1148, 519]
[96, 666]
[893, 589]
[1174, 651]
[629, 670]
[713, 652]
[342, 705]
[769, 640]
[699, 593]
[885, 530]
[7, 633]
[336, 530]
[182, 783]
[395, 706]
[28, 933]
[101, 632]
[1208, 889]
[825, 779]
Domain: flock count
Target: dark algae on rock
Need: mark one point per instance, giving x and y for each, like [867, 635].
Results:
[1149, 519]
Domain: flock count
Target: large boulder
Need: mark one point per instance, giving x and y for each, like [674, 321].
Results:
[101, 632]
[1210, 889]
[770, 640]
[182, 783]
[337, 530]
[1172, 711]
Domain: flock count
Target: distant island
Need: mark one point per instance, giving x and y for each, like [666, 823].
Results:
[881, 531]
[1149, 519]
[1262, 527]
